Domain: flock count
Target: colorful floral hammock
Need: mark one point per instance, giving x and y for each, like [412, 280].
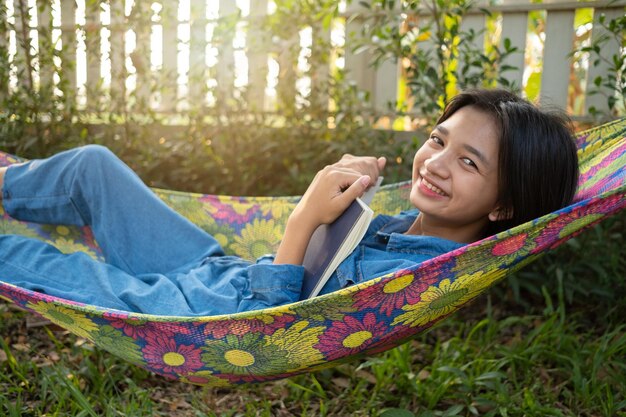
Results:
[309, 335]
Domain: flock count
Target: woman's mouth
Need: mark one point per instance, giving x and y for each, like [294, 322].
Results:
[432, 187]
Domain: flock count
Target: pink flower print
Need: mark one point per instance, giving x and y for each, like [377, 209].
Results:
[236, 211]
[164, 355]
[568, 225]
[350, 336]
[141, 328]
[391, 294]
[510, 249]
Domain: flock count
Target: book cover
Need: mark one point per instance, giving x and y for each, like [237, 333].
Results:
[332, 243]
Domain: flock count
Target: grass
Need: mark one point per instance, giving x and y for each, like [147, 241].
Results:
[547, 341]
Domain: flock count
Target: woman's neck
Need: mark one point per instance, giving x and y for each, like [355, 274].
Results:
[426, 227]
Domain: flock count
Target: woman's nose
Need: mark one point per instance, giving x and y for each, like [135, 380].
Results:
[437, 164]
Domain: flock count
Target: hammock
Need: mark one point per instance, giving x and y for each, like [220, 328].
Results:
[321, 332]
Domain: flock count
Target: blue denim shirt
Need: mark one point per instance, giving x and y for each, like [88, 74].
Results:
[384, 249]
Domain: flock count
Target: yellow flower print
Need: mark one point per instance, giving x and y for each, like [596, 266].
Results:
[246, 355]
[278, 209]
[296, 344]
[114, 341]
[2, 297]
[62, 231]
[578, 224]
[447, 297]
[71, 320]
[70, 246]
[13, 227]
[391, 201]
[257, 239]
[328, 308]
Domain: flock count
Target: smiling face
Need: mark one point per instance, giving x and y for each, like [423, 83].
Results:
[455, 177]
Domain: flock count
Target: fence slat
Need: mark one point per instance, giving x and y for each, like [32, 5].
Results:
[23, 57]
[475, 24]
[514, 26]
[45, 53]
[357, 65]
[380, 82]
[4, 52]
[555, 75]
[226, 58]
[68, 55]
[197, 55]
[92, 46]
[386, 93]
[118, 56]
[609, 49]
[141, 55]
[257, 56]
[321, 73]
[169, 71]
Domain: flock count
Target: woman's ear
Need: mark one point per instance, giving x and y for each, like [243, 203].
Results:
[500, 213]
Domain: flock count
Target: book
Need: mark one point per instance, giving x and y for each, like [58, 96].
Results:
[331, 243]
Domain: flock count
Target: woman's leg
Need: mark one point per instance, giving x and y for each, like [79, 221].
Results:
[137, 232]
[38, 266]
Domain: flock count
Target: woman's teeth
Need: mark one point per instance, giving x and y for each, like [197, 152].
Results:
[433, 188]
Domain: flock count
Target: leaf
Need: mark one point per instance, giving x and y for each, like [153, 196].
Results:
[397, 412]
[453, 411]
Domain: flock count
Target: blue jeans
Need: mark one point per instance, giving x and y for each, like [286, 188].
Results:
[156, 260]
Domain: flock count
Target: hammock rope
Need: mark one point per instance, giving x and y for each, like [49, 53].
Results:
[317, 333]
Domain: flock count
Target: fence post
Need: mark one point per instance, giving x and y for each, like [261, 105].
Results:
[93, 85]
[257, 56]
[380, 82]
[23, 58]
[514, 27]
[67, 82]
[45, 53]
[5, 70]
[555, 76]
[475, 23]
[358, 67]
[320, 47]
[197, 56]
[599, 102]
[169, 70]
[118, 57]
[140, 57]
[226, 59]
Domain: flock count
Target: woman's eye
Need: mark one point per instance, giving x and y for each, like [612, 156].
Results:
[437, 140]
[469, 162]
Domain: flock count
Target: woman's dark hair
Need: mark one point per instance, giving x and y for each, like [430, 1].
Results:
[538, 165]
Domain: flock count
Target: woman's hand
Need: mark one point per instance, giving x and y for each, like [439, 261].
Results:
[330, 193]
[332, 190]
[366, 165]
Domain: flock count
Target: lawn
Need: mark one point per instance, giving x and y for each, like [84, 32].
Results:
[547, 341]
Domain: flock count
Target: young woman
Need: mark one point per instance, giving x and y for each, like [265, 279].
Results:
[492, 161]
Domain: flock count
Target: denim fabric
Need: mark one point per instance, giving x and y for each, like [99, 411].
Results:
[383, 250]
[157, 262]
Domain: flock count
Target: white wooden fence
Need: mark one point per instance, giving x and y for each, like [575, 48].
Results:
[175, 52]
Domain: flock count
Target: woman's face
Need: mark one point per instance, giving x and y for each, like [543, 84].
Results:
[455, 177]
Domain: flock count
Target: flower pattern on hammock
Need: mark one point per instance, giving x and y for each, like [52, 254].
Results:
[368, 318]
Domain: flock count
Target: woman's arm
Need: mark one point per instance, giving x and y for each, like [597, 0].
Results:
[332, 190]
